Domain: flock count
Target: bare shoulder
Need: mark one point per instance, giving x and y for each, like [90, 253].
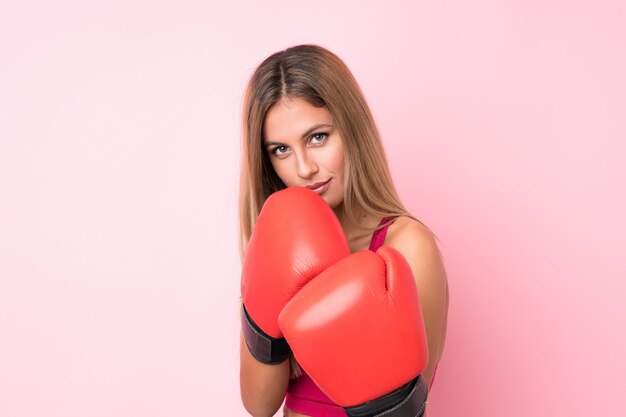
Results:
[414, 240]
[418, 245]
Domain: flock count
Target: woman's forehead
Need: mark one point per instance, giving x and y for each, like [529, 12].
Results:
[292, 118]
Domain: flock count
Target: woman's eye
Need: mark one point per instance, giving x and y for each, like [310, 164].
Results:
[279, 150]
[318, 137]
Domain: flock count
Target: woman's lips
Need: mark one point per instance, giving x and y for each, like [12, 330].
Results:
[319, 187]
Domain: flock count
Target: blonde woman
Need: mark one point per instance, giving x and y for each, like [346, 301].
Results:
[307, 124]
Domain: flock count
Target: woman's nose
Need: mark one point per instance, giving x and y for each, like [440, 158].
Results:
[306, 165]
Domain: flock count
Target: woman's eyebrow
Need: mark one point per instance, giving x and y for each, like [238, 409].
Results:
[271, 142]
[314, 128]
[304, 135]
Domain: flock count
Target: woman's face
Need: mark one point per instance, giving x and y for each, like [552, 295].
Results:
[305, 148]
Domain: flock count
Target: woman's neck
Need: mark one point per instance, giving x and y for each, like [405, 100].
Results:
[357, 232]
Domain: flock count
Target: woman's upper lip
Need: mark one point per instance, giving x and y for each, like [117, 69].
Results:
[316, 185]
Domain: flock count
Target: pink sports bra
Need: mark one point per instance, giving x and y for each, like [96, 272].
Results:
[303, 396]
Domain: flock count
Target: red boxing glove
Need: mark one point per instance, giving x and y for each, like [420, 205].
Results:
[296, 236]
[357, 330]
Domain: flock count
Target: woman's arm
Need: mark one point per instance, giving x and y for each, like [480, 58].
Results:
[417, 244]
[262, 387]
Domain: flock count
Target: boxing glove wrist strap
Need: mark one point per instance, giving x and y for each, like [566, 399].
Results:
[266, 349]
[407, 401]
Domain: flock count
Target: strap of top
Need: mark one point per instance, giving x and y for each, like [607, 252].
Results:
[378, 237]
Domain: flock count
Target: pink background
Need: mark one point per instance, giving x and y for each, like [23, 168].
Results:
[504, 123]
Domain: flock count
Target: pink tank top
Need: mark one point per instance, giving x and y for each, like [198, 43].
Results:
[303, 396]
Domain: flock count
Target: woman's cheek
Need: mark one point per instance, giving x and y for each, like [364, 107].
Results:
[286, 173]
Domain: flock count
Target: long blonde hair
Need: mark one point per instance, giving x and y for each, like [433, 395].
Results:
[321, 78]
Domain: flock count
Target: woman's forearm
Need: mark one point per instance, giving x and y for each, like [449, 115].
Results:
[262, 386]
